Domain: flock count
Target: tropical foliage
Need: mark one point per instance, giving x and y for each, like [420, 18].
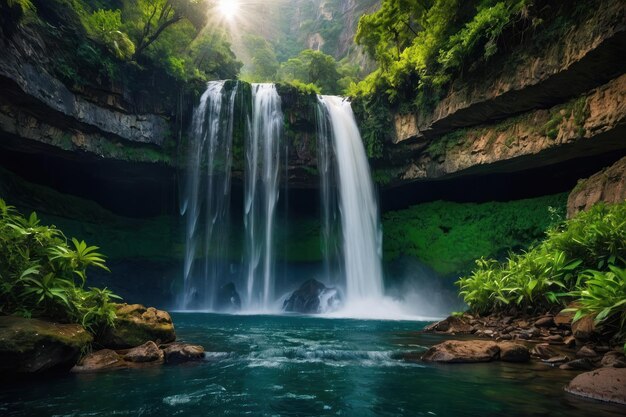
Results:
[168, 34]
[582, 260]
[420, 45]
[42, 274]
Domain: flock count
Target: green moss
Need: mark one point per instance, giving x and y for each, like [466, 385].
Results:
[450, 236]
[438, 148]
[21, 335]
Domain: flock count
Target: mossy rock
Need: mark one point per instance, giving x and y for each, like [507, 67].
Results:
[135, 325]
[32, 346]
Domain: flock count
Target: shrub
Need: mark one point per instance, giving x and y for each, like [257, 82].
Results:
[581, 260]
[602, 295]
[44, 275]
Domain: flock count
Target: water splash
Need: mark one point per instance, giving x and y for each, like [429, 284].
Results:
[261, 195]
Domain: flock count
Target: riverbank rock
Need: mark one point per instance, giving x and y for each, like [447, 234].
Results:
[136, 325]
[312, 297]
[451, 324]
[513, 352]
[181, 352]
[613, 359]
[101, 360]
[605, 384]
[584, 329]
[467, 351]
[30, 346]
[148, 352]
[228, 298]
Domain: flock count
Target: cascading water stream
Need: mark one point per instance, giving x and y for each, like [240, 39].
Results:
[360, 226]
[207, 196]
[261, 195]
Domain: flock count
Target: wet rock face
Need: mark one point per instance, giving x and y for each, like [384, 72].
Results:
[228, 299]
[608, 186]
[605, 384]
[136, 325]
[29, 346]
[312, 297]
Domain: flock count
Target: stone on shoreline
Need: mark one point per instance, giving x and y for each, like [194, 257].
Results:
[468, 351]
[604, 384]
[513, 352]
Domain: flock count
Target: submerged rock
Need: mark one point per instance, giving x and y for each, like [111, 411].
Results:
[136, 325]
[228, 298]
[31, 346]
[466, 351]
[312, 297]
[605, 384]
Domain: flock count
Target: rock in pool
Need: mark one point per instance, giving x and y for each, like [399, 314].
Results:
[136, 325]
[228, 298]
[29, 346]
[312, 297]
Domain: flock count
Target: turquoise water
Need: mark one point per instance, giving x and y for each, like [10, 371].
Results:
[303, 366]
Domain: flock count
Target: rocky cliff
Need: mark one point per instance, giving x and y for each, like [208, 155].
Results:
[538, 106]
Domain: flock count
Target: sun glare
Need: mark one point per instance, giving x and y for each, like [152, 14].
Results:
[228, 8]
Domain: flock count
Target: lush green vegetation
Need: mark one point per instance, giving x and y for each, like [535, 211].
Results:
[43, 274]
[450, 236]
[582, 260]
[422, 46]
[309, 71]
[114, 37]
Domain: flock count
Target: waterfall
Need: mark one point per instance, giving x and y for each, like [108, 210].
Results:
[261, 194]
[330, 227]
[360, 226]
[206, 202]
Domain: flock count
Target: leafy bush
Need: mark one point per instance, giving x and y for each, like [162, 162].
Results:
[44, 275]
[104, 26]
[581, 260]
[602, 295]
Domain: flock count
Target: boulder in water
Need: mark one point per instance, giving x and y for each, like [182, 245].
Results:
[136, 325]
[312, 297]
[228, 298]
[29, 346]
